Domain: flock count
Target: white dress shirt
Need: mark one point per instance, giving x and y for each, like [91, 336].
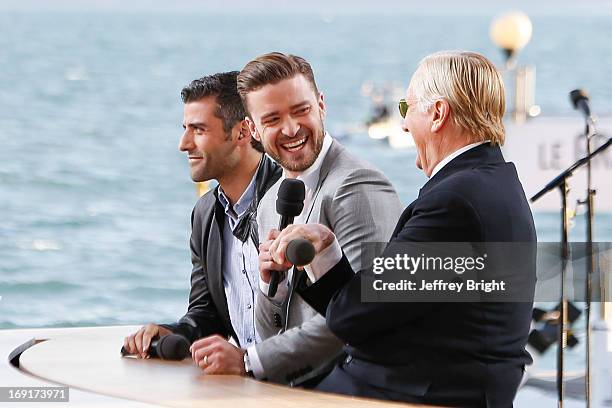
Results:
[240, 268]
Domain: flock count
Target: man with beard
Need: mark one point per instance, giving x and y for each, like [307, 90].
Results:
[224, 234]
[286, 113]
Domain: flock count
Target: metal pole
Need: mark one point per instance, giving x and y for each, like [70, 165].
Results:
[520, 101]
[563, 303]
[590, 267]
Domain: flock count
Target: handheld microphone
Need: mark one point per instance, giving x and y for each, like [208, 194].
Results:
[289, 204]
[580, 100]
[170, 347]
[300, 252]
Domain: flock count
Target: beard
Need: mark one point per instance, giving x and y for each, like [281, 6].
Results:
[217, 165]
[308, 158]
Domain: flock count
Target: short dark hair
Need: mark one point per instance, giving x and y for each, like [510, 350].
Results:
[272, 68]
[229, 105]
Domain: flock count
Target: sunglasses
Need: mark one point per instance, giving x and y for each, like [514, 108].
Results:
[403, 107]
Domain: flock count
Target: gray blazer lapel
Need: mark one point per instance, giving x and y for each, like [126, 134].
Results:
[267, 218]
[332, 154]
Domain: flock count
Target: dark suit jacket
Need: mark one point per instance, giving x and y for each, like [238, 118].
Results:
[208, 312]
[459, 354]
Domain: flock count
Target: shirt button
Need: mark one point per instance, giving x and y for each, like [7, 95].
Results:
[243, 271]
[249, 306]
[249, 340]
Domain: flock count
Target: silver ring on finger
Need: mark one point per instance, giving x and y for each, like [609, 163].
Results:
[206, 360]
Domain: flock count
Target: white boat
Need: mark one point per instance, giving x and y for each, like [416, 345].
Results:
[391, 131]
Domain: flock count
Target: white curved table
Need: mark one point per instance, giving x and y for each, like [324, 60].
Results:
[89, 359]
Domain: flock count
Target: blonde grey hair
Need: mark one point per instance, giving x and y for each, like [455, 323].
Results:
[473, 88]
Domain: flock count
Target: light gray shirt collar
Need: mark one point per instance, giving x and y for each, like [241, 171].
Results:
[237, 210]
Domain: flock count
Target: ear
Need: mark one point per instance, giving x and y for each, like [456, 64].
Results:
[252, 129]
[440, 115]
[242, 132]
[321, 103]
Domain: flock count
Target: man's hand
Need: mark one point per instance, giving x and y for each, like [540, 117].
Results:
[216, 355]
[139, 342]
[319, 236]
[266, 264]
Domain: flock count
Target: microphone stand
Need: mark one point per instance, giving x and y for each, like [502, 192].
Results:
[589, 133]
[561, 182]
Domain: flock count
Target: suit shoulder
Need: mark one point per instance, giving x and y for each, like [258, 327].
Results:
[347, 166]
[205, 203]
[346, 159]
[494, 182]
[467, 184]
[443, 196]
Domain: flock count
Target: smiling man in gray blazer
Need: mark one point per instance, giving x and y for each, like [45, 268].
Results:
[286, 113]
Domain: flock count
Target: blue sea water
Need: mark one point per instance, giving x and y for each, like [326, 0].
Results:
[95, 197]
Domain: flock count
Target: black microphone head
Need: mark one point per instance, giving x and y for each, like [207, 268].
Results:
[578, 95]
[300, 252]
[172, 347]
[290, 199]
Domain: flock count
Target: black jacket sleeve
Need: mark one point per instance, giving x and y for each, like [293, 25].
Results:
[202, 317]
[322, 291]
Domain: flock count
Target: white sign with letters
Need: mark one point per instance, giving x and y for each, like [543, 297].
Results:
[543, 147]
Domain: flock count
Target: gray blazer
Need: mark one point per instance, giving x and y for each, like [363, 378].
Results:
[359, 204]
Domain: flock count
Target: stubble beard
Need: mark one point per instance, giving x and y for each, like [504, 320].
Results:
[306, 162]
